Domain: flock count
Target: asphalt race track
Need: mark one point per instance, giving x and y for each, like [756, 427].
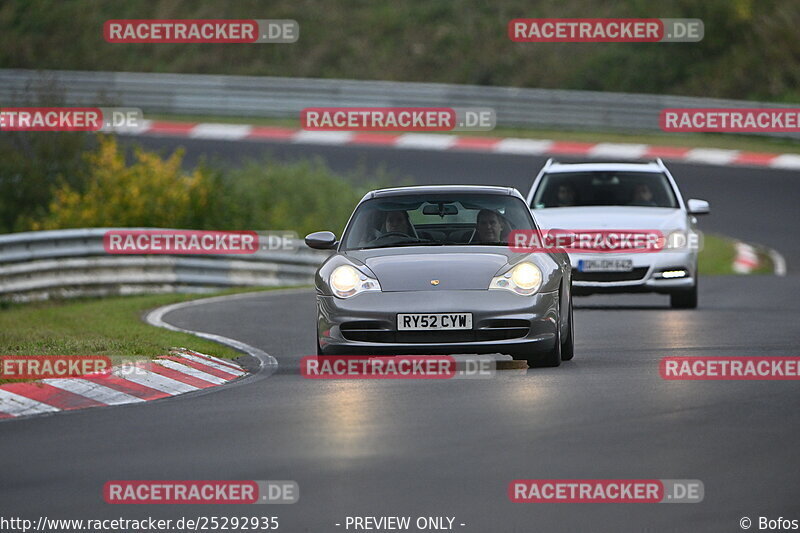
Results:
[450, 448]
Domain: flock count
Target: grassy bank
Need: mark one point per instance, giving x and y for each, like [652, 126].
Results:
[718, 254]
[107, 326]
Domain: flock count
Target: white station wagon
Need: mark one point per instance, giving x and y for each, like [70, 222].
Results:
[581, 197]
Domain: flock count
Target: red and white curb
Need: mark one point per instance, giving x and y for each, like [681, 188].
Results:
[499, 145]
[746, 259]
[178, 373]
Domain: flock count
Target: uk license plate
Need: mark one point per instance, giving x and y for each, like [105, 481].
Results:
[433, 321]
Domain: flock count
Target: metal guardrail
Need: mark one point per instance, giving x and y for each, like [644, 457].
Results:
[39, 265]
[246, 96]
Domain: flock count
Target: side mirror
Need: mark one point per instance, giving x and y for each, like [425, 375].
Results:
[321, 240]
[698, 207]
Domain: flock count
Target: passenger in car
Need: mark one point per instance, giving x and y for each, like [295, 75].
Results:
[398, 222]
[643, 196]
[566, 195]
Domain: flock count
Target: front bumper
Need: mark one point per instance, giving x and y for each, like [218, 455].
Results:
[502, 322]
[645, 277]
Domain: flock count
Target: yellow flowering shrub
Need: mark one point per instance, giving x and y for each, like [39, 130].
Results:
[150, 192]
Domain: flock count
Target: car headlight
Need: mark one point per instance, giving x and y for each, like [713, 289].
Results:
[524, 279]
[682, 240]
[347, 281]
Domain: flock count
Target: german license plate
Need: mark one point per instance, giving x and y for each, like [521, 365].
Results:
[433, 321]
[605, 265]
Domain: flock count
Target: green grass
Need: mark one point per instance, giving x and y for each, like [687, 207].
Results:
[749, 143]
[107, 326]
[717, 255]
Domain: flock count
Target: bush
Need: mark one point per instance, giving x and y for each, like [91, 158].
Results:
[151, 192]
[303, 197]
[31, 164]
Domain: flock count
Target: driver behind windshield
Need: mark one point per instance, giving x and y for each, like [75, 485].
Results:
[490, 227]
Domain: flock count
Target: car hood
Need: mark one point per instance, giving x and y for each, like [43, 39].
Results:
[412, 269]
[611, 217]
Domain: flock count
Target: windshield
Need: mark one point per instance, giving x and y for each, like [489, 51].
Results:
[436, 220]
[575, 189]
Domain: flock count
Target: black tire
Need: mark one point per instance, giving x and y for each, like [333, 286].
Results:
[568, 346]
[684, 299]
[550, 358]
[319, 350]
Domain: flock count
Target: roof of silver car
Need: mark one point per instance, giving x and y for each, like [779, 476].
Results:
[445, 189]
[586, 166]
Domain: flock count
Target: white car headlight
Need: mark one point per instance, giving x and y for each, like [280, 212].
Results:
[683, 240]
[675, 240]
[347, 281]
[524, 279]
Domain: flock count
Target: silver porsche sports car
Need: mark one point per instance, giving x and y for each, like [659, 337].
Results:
[429, 270]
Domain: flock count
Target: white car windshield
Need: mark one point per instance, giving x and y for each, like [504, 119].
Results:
[601, 188]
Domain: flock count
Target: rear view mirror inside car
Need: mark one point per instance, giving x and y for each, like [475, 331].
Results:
[440, 209]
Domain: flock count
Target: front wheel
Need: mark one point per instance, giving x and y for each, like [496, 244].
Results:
[568, 346]
[684, 299]
[551, 358]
